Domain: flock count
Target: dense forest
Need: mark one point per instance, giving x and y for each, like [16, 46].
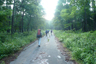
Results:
[21, 15]
[75, 15]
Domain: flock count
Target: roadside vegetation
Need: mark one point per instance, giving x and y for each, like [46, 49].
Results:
[81, 44]
[75, 15]
[10, 45]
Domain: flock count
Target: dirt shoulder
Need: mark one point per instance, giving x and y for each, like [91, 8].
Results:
[64, 51]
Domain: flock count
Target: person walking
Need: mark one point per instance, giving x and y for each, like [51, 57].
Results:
[51, 32]
[46, 32]
[39, 35]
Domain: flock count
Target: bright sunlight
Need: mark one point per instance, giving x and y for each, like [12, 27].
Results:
[49, 6]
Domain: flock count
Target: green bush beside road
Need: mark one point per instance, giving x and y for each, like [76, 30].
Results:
[82, 45]
[11, 45]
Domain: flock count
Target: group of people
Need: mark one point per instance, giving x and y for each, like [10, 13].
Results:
[39, 35]
[47, 31]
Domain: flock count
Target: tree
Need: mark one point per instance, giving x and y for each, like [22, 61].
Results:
[25, 15]
[76, 14]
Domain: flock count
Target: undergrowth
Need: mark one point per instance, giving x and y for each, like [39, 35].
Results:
[82, 45]
[10, 45]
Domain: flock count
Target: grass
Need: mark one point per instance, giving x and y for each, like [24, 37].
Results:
[3, 62]
[10, 45]
[82, 45]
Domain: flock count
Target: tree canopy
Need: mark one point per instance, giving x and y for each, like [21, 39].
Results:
[25, 15]
[75, 14]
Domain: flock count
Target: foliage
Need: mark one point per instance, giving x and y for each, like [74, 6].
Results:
[75, 14]
[3, 62]
[26, 15]
[12, 45]
[82, 45]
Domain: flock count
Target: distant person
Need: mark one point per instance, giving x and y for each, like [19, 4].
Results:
[51, 32]
[39, 35]
[46, 32]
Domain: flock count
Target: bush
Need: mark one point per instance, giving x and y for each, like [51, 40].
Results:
[10, 45]
[81, 44]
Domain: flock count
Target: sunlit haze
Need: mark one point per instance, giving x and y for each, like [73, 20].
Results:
[49, 7]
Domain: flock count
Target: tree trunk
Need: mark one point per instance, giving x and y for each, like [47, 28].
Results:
[93, 4]
[8, 31]
[29, 24]
[20, 26]
[22, 23]
[12, 25]
[85, 18]
[8, 7]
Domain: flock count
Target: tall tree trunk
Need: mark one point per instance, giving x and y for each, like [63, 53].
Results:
[12, 25]
[85, 20]
[20, 26]
[8, 31]
[22, 22]
[9, 22]
[8, 7]
[85, 16]
[94, 19]
[29, 24]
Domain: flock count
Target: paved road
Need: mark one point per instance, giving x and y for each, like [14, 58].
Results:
[46, 54]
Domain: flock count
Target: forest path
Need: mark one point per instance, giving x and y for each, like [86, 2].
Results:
[47, 53]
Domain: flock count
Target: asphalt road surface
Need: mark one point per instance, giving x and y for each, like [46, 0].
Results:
[47, 53]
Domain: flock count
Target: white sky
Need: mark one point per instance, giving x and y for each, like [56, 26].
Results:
[49, 6]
